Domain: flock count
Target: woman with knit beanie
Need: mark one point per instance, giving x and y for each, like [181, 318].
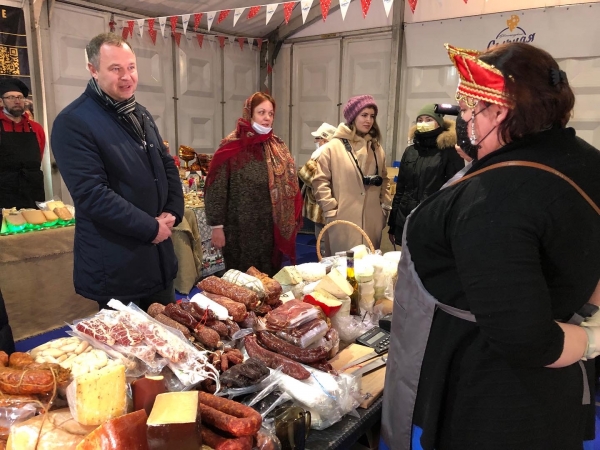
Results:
[351, 180]
[426, 165]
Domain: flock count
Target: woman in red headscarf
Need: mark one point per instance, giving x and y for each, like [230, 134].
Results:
[252, 198]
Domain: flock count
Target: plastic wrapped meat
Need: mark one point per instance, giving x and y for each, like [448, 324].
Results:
[291, 314]
[305, 334]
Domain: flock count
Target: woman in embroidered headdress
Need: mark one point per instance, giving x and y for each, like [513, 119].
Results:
[252, 198]
[507, 257]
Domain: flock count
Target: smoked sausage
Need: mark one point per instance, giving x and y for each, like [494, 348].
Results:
[236, 310]
[236, 293]
[291, 351]
[274, 360]
[229, 416]
[214, 440]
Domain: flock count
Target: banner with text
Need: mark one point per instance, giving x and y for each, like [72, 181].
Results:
[14, 60]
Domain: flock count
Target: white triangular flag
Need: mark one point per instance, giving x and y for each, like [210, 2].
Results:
[267, 80]
[210, 16]
[237, 14]
[305, 6]
[231, 40]
[387, 4]
[271, 10]
[344, 7]
[162, 21]
[140, 24]
[185, 19]
[251, 43]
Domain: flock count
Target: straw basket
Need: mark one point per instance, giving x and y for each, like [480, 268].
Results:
[342, 222]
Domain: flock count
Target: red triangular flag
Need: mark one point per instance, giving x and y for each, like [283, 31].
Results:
[151, 24]
[125, 33]
[130, 24]
[466, 1]
[223, 15]
[197, 18]
[221, 41]
[200, 38]
[365, 4]
[287, 11]
[153, 35]
[413, 5]
[269, 68]
[325, 8]
[259, 43]
[241, 42]
[177, 37]
[173, 20]
[253, 11]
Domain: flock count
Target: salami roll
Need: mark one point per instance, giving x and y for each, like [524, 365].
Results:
[227, 415]
[272, 288]
[274, 360]
[236, 310]
[218, 441]
[293, 352]
[236, 293]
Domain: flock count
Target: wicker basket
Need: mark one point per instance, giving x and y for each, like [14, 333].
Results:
[344, 222]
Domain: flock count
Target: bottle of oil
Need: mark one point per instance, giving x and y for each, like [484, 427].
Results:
[354, 297]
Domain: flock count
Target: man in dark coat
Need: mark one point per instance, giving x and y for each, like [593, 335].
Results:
[125, 186]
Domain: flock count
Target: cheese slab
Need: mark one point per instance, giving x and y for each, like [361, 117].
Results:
[328, 303]
[174, 422]
[288, 275]
[336, 284]
[98, 396]
[125, 432]
[311, 271]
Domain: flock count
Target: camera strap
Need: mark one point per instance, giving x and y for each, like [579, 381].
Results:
[349, 150]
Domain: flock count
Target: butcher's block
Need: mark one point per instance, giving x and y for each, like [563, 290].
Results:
[371, 383]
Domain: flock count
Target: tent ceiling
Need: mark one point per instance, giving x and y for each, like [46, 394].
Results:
[254, 27]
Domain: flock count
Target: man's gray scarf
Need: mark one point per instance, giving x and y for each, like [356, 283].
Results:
[123, 109]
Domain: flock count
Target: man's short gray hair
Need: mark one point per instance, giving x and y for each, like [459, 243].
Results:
[93, 48]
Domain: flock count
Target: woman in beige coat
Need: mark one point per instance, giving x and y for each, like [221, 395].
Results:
[351, 182]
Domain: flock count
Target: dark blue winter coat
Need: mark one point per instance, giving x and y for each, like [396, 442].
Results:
[119, 186]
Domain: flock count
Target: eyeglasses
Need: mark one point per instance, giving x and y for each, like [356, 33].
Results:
[13, 98]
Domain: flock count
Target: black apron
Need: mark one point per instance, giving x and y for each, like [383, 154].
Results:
[21, 180]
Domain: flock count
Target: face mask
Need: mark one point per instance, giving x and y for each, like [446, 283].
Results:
[260, 129]
[463, 140]
[317, 145]
[424, 127]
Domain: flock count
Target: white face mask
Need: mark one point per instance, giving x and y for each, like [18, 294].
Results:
[424, 127]
[317, 145]
[260, 129]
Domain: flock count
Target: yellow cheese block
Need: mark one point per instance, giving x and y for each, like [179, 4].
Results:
[98, 396]
[174, 423]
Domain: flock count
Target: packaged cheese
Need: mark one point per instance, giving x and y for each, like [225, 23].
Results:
[98, 396]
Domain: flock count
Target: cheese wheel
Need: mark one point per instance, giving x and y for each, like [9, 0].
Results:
[63, 213]
[34, 216]
[16, 220]
[125, 432]
[50, 216]
[145, 391]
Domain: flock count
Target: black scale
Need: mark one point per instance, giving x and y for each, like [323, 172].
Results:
[377, 338]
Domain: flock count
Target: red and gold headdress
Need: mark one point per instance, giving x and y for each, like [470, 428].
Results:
[478, 80]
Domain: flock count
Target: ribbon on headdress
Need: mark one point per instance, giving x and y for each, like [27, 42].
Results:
[478, 80]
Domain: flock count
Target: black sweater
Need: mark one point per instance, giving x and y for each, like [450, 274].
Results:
[519, 248]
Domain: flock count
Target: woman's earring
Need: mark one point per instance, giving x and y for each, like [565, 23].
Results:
[473, 137]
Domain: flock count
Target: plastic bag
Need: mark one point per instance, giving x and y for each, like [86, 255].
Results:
[266, 439]
[291, 314]
[245, 280]
[10, 415]
[351, 327]
[305, 334]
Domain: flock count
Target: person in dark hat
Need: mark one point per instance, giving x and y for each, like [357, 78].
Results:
[22, 143]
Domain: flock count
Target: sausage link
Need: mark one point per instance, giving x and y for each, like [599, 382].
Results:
[224, 363]
[229, 416]
[3, 359]
[173, 311]
[189, 308]
[219, 327]
[20, 360]
[232, 327]
[218, 442]
[236, 310]
[207, 336]
[161, 318]
[273, 360]
[236, 293]
[205, 314]
[155, 309]
[291, 351]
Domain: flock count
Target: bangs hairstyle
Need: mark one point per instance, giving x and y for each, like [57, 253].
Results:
[258, 98]
[537, 104]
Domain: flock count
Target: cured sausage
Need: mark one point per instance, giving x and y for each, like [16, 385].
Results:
[236, 293]
[272, 287]
[232, 327]
[161, 318]
[207, 336]
[176, 313]
[236, 310]
[20, 360]
[291, 351]
[218, 442]
[219, 327]
[229, 416]
[35, 379]
[155, 309]
[274, 360]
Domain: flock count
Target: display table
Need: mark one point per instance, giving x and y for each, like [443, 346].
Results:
[36, 278]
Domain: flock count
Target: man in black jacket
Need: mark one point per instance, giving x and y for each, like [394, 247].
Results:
[125, 186]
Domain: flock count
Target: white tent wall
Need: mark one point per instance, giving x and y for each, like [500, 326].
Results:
[194, 94]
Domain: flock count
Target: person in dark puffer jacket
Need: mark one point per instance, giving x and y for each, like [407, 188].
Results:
[426, 165]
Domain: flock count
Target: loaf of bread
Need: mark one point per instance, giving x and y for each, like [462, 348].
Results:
[63, 213]
[50, 216]
[34, 216]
